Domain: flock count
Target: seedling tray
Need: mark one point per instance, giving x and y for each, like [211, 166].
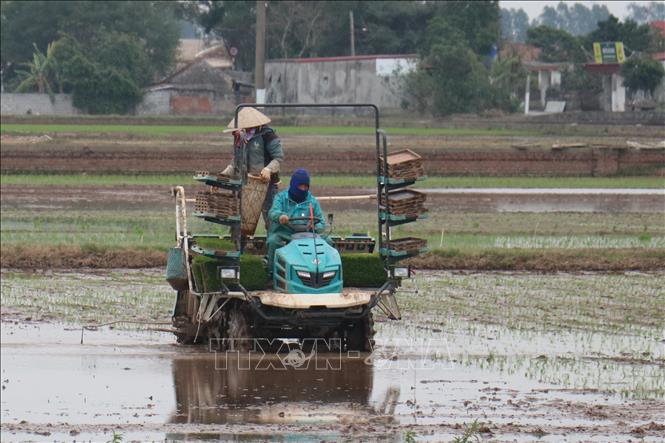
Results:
[402, 247]
[221, 204]
[405, 202]
[218, 180]
[404, 165]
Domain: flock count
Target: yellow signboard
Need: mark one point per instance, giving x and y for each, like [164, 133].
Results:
[608, 52]
[597, 54]
[621, 57]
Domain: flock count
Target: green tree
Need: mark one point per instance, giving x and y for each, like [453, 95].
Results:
[40, 72]
[634, 36]
[385, 27]
[507, 78]
[42, 22]
[321, 28]
[68, 54]
[645, 13]
[463, 83]
[514, 24]
[576, 19]
[479, 21]
[106, 91]
[97, 86]
[450, 77]
[642, 74]
[556, 45]
[127, 54]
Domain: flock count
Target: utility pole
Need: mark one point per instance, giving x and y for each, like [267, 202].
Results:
[353, 39]
[527, 93]
[259, 60]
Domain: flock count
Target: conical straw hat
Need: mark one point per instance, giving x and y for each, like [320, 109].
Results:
[248, 118]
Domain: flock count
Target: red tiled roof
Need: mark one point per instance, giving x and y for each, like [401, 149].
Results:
[659, 25]
[603, 68]
[660, 56]
[526, 53]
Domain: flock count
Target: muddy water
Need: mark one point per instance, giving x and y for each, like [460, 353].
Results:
[144, 387]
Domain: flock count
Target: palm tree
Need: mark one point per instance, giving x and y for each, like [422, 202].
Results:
[39, 72]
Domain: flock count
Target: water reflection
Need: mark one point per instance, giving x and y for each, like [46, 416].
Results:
[334, 390]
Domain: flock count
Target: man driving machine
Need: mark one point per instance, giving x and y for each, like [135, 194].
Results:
[294, 203]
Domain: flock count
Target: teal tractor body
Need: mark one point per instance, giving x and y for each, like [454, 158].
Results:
[308, 264]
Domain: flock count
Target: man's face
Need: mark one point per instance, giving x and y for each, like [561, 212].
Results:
[303, 187]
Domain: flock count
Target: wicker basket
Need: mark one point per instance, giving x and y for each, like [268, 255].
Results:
[217, 202]
[253, 196]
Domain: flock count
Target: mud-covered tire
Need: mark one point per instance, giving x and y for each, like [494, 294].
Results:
[360, 335]
[238, 327]
[183, 324]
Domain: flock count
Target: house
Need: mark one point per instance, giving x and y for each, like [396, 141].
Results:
[350, 79]
[526, 53]
[204, 85]
[613, 96]
[548, 76]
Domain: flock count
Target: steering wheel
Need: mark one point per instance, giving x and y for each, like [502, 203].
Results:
[300, 227]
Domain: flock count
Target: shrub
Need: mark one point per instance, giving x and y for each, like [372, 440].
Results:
[642, 73]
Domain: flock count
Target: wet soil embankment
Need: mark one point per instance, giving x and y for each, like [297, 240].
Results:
[439, 161]
[542, 260]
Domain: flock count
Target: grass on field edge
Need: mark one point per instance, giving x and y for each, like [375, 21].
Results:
[332, 180]
[541, 260]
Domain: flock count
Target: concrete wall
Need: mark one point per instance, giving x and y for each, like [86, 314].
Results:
[37, 104]
[155, 103]
[189, 102]
[336, 81]
[160, 102]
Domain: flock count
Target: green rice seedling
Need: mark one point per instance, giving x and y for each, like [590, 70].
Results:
[471, 434]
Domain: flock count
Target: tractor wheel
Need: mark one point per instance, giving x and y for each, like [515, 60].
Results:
[360, 335]
[238, 329]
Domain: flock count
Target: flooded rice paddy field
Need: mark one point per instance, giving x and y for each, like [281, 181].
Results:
[524, 356]
[109, 222]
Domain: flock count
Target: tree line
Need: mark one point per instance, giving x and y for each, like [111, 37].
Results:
[106, 52]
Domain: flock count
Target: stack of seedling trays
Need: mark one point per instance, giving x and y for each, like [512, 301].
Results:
[356, 243]
[217, 203]
[399, 204]
[404, 167]
[405, 247]
[220, 202]
[217, 180]
[405, 202]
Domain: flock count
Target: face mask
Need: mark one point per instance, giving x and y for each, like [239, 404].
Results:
[248, 134]
[297, 195]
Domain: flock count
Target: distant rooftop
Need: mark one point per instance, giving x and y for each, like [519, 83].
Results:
[344, 58]
[659, 25]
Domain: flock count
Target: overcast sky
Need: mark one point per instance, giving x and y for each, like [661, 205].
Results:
[534, 8]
